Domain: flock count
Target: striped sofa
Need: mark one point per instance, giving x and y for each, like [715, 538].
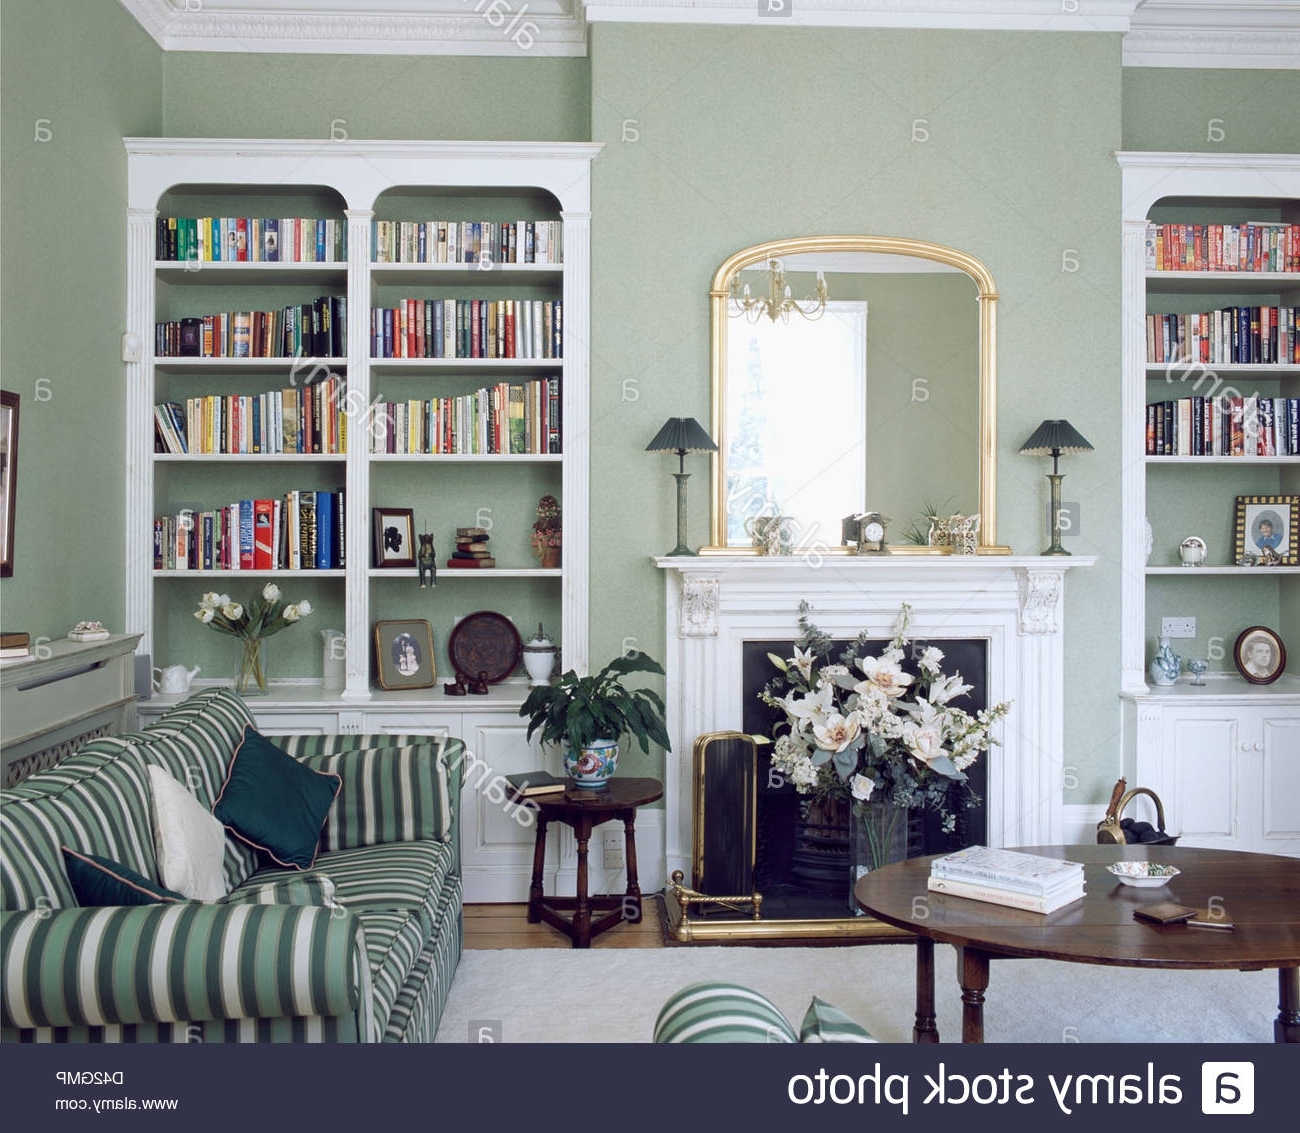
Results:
[361, 948]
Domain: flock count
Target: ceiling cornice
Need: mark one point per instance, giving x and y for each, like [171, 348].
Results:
[1157, 33]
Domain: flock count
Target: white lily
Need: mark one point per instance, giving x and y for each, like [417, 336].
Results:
[803, 661]
[814, 706]
[944, 689]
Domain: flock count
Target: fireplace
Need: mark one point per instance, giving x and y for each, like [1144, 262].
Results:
[802, 864]
[1009, 608]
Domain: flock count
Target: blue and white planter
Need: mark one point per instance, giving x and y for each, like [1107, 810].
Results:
[593, 766]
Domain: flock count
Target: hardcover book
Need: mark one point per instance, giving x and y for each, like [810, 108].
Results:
[526, 783]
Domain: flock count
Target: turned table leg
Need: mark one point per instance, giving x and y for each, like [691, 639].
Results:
[632, 903]
[539, 862]
[581, 905]
[973, 975]
[1286, 1027]
[925, 1030]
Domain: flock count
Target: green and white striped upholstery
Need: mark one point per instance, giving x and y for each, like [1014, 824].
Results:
[719, 1012]
[823, 1023]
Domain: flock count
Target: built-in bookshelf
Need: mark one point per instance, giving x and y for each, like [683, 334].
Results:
[1211, 412]
[314, 346]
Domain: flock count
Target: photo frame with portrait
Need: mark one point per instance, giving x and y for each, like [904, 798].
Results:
[394, 537]
[404, 654]
[1266, 530]
[1259, 655]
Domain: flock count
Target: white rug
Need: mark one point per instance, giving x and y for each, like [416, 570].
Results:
[613, 995]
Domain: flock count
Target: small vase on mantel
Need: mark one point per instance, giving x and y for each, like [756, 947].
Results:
[877, 837]
[251, 677]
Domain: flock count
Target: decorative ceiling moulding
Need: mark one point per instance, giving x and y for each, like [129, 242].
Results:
[514, 28]
[996, 15]
[1248, 34]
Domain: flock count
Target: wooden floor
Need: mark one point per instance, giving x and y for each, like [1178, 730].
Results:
[506, 926]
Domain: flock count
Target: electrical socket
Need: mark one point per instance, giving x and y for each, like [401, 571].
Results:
[1178, 627]
[613, 847]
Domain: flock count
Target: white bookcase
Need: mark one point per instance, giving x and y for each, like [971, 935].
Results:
[1225, 758]
[355, 182]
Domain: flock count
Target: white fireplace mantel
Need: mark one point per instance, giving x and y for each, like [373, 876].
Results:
[716, 603]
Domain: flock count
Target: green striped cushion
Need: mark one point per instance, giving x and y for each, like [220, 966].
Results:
[295, 889]
[415, 1016]
[182, 962]
[823, 1023]
[394, 941]
[394, 791]
[718, 1012]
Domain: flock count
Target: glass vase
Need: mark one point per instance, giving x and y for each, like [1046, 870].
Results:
[877, 837]
[251, 678]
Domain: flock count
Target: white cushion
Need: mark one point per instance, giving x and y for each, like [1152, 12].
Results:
[189, 842]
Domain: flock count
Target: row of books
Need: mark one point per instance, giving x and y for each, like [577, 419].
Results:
[520, 418]
[307, 419]
[1253, 246]
[1249, 335]
[251, 239]
[318, 329]
[466, 241]
[302, 530]
[1224, 426]
[468, 328]
[1008, 877]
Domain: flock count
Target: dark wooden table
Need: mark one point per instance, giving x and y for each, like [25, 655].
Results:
[1259, 894]
[585, 810]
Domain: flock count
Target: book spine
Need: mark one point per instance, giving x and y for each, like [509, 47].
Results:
[990, 894]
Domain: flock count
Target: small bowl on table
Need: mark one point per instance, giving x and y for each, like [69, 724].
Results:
[1143, 875]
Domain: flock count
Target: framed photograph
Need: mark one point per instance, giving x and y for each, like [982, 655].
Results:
[1260, 655]
[1267, 528]
[394, 536]
[404, 654]
[8, 478]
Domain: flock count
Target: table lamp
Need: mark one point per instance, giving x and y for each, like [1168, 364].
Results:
[681, 435]
[1052, 438]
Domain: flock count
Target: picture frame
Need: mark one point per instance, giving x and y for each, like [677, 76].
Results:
[1266, 529]
[8, 478]
[1259, 655]
[404, 654]
[393, 541]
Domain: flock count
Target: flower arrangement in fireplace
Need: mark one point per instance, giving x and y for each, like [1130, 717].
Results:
[865, 727]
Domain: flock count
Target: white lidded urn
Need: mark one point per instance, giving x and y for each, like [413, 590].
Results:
[539, 658]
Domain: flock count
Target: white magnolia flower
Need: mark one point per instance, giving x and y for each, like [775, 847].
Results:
[204, 614]
[836, 732]
[861, 787]
[271, 592]
[885, 674]
[232, 611]
[924, 742]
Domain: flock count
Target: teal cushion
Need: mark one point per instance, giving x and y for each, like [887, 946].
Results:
[98, 881]
[717, 1012]
[274, 803]
[823, 1023]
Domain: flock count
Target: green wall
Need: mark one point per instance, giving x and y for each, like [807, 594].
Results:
[1222, 111]
[77, 77]
[997, 144]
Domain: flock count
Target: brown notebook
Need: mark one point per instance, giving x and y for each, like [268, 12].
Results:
[1164, 912]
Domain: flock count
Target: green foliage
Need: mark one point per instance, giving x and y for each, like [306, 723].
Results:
[919, 531]
[580, 710]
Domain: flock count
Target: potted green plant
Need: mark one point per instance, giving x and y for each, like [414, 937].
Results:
[589, 715]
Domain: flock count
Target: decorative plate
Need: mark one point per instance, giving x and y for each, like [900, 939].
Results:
[1144, 875]
[486, 643]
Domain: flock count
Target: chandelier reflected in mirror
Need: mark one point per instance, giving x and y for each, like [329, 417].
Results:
[778, 302]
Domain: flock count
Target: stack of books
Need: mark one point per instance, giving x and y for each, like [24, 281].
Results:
[1008, 877]
[15, 647]
[471, 550]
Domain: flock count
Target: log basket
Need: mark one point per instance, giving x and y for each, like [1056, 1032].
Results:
[1112, 830]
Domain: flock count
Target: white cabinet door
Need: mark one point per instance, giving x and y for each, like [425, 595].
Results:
[497, 836]
[1203, 762]
[1279, 743]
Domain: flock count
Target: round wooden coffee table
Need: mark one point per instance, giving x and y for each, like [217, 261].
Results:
[585, 810]
[1258, 893]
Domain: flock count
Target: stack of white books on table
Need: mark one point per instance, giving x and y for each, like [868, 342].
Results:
[1008, 877]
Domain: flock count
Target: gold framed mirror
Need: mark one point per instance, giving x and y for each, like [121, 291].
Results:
[893, 321]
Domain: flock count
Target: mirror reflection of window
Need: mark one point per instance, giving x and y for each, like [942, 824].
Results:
[797, 448]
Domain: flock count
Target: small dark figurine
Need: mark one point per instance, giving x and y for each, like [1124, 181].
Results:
[426, 560]
[479, 686]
